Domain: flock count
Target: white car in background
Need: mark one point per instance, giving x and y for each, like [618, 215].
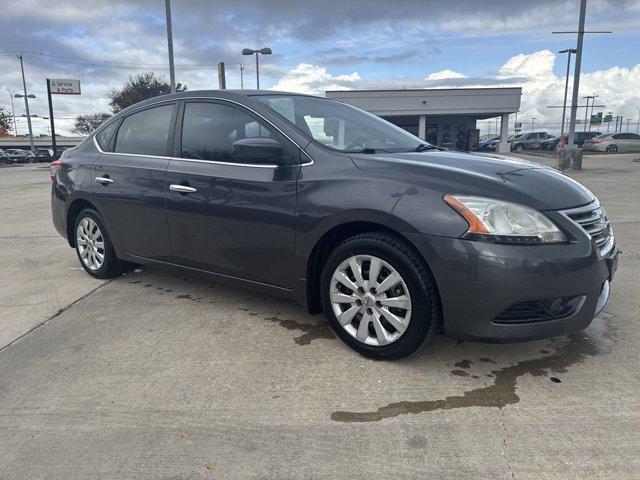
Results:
[614, 142]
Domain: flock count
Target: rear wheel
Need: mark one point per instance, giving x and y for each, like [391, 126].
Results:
[94, 248]
[379, 296]
[612, 148]
[518, 147]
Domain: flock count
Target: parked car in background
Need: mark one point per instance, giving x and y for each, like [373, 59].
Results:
[484, 144]
[3, 156]
[43, 155]
[529, 141]
[59, 151]
[19, 156]
[614, 142]
[579, 139]
[493, 146]
[308, 198]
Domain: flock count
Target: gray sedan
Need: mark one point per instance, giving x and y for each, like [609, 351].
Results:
[614, 142]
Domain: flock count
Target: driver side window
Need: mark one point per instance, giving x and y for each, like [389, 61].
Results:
[210, 129]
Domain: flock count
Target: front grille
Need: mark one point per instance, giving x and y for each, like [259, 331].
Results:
[540, 310]
[593, 220]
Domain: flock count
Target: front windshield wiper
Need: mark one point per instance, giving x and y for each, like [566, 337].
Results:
[368, 150]
[423, 147]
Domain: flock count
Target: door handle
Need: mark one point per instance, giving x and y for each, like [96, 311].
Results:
[103, 180]
[182, 189]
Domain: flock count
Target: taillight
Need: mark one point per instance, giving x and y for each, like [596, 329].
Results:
[54, 168]
[595, 141]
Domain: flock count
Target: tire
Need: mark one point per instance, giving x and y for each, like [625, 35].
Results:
[518, 147]
[423, 305]
[111, 266]
[612, 148]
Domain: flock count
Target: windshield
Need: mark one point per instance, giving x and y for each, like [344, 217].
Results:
[340, 126]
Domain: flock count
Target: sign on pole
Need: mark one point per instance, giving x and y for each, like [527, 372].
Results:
[59, 86]
[64, 86]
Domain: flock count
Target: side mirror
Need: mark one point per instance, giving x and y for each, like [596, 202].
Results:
[257, 150]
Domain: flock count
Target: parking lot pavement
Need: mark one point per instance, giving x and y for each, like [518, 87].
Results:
[154, 375]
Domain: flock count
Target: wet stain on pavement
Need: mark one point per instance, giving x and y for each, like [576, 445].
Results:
[460, 373]
[569, 350]
[463, 364]
[487, 360]
[311, 331]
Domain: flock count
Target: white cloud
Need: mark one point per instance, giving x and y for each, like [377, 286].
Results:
[444, 74]
[313, 79]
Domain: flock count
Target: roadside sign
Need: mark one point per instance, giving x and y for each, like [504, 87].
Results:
[596, 119]
[64, 86]
[608, 118]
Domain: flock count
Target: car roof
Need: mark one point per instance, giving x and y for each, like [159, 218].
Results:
[224, 94]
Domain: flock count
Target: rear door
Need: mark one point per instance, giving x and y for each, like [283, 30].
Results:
[129, 182]
[238, 219]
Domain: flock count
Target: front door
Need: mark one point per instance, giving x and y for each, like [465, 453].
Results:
[129, 182]
[225, 216]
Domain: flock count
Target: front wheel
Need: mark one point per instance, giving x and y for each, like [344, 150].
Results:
[518, 148]
[612, 148]
[379, 296]
[94, 248]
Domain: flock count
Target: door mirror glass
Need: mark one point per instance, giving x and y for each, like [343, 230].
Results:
[257, 150]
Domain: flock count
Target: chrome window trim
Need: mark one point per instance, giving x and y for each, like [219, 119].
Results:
[251, 165]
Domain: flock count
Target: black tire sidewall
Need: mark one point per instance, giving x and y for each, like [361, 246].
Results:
[110, 260]
[422, 308]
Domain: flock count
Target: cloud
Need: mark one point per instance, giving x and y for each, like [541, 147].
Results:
[312, 79]
[445, 74]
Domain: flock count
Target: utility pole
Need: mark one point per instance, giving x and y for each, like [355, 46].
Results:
[222, 80]
[628, 120]
[568, 51]
[26, 104]
[15, 125]
[533, 120]
[586, 111]
[637, 124]
[172, 73]
[576, 74]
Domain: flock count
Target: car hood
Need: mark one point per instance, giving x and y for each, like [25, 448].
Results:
[506, 178]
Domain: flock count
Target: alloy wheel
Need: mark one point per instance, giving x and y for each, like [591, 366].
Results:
[90, 242]
[370, 299]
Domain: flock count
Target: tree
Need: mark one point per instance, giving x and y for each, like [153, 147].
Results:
[138, 88]
[85, 124]
[5, 120]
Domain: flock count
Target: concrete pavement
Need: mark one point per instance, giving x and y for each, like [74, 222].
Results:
[154, 375]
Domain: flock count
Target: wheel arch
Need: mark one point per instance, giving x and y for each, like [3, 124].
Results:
[73, 211]
[332, 238]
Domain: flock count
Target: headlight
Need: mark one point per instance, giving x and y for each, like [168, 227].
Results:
[504, 222]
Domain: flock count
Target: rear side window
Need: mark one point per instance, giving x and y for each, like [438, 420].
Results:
[103, 137]
[145, 132]
[209, 130]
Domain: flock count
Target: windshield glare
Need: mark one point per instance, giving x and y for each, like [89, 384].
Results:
[340, 126]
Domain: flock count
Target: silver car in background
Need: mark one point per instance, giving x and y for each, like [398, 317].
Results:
[614, 142]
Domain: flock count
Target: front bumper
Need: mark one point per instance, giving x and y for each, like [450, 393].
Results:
[478, 281]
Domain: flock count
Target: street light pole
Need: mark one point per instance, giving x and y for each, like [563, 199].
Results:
[568, 51]
[251, 51]
[172, 73]
[26, 104]
[638, 124]
[13, 111]
[533, 120]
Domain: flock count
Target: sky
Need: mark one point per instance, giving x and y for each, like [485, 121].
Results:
[319, 46]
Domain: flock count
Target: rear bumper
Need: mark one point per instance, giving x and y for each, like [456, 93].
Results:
[479, 281]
